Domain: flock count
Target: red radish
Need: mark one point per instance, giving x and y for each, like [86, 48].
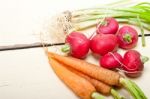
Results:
[102, 44]
[111, 60]
[133, 63]
[127, 37]
[108, 26]
[77, 44]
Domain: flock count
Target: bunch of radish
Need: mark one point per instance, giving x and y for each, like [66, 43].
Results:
[105, 43]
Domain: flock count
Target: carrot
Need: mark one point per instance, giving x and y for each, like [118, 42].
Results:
[107, 76]
[100, 86]
[77, 84]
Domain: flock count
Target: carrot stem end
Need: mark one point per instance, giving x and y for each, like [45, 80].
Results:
[136, 92]
[96, 95]
[116, 94]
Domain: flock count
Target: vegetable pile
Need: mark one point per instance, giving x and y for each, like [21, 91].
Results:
[92, 79]
[105, 42]
[88, 80]
[106, 45]
[82, 19]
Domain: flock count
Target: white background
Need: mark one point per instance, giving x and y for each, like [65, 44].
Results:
[25, 74]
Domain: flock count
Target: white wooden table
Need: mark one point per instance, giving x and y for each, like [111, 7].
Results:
[25, 74]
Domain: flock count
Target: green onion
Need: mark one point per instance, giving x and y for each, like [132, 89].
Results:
[142, 32]
[123, 15]
[116, 94]
[88, 24]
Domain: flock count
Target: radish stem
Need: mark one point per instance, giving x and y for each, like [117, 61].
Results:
[65, 48]
[144, 59]
[127, 38]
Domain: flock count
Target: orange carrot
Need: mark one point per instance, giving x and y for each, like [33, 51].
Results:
[79, 85]
[75, 82]
[107, 76]
[100, 86]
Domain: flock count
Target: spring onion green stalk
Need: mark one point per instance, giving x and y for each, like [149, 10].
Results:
[123, 15]
[87, 18]
[91, 23]
[142, 32]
